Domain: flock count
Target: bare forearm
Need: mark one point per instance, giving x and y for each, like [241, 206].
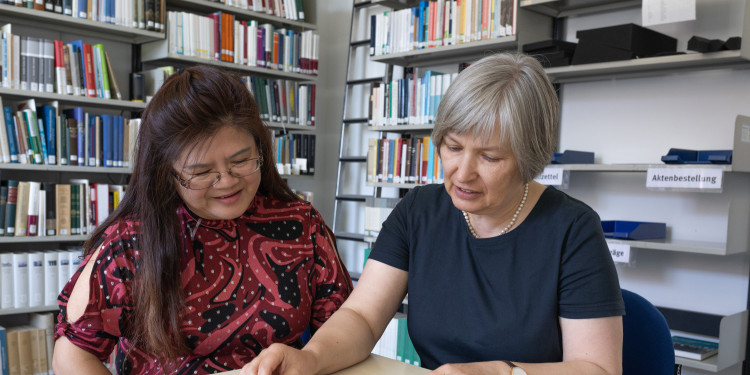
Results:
[344, 340]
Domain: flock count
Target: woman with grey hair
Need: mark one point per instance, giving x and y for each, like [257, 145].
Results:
[505, 275]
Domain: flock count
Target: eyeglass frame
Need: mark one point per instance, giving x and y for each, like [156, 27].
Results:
[186, 183]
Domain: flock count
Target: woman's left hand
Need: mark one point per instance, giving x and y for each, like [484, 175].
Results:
[474, 368]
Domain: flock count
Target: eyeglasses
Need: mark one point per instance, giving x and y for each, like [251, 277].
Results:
[208, 179]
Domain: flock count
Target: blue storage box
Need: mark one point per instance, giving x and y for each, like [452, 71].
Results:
[573, 157]
[683, 156]
[634, 230]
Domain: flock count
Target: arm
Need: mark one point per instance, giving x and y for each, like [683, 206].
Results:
[68, 358]
[590, 347]
[349, 335]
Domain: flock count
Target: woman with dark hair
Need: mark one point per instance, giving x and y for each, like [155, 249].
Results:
[210, 257]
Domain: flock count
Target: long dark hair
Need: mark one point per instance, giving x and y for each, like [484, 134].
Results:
[191, 107]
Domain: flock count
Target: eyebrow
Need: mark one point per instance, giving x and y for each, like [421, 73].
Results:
[240, 152]
[487, 148]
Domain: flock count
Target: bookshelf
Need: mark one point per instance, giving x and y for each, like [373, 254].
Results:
[165, 53]
[630, 113]
[119, 42]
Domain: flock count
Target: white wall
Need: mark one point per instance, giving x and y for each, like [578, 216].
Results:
[637, 120]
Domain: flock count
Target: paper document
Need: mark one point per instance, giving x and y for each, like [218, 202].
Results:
[655, 12]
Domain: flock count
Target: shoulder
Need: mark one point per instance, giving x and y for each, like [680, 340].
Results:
[562, 204]
[426, 195]
[119, 241]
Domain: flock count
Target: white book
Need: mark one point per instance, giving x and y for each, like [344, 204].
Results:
[75, 258]
[6, 281]
[36, 278]
[42, 212]
[63, 269]
[51, 278]
[20, 280]
[102, 202]
[32, 210]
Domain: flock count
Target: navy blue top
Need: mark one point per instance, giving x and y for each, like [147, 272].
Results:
[497, 298]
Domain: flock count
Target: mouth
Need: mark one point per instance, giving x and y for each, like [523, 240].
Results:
[228, 195]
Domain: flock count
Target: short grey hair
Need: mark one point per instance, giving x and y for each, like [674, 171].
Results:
[509, 93]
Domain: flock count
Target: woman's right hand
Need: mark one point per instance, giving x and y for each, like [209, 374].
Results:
[280, 359]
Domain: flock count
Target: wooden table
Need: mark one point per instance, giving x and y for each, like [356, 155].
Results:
[373, 365]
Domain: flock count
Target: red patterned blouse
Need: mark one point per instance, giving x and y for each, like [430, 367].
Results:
[249, 282]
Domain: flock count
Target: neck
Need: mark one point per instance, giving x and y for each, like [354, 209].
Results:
[488, 228]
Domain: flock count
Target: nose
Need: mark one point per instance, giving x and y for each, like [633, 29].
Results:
[465, 168]
[225, 176]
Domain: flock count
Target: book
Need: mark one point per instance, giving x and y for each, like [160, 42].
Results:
[36, 278]
[20, 271]
[62, 207]
[10, 208]
[51, 270]
[6, 281]
[3, 203]
[14, 365]
[45, 322]
[4, 351]
[22, 208]
[50, 206]
[693, 348]
[25, 355]
[32, 217]
[114, 87]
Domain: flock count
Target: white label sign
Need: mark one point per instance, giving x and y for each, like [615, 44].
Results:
[620, 252]
[685, 178]
[553, 176]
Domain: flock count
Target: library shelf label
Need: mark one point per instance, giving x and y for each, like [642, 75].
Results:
[705, 179]
[620, 252]
[554, 176]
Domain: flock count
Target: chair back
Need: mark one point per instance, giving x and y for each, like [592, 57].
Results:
[647, 343]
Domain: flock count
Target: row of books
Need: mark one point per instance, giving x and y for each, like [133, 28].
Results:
[409, 100]
[27, 349]
[295, 154]
[395, 343]
[403, 160]
[219, 36]
[46, 65]
[32, 208]
[289, 9]
[31, 134]
[136, 14]
[439, 23]
[34, 279]
[283, 101]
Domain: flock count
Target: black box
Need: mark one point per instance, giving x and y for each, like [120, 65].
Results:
[551, 53]
[621, 42]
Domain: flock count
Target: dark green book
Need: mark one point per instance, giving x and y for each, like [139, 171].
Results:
[75, 210]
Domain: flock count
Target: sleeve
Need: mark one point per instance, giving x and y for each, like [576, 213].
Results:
[110, 297]
[392, 244]
[332, 283]
[589, 286]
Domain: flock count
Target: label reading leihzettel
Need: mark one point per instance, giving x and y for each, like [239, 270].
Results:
[685, 178]
[620, 252]
[745, 133]
[553, 176]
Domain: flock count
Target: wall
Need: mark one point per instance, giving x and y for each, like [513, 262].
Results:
[637, 120]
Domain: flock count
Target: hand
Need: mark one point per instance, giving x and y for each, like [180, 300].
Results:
[473, 368]
[280, 359]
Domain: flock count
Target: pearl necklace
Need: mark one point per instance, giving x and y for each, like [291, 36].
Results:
[512, 221]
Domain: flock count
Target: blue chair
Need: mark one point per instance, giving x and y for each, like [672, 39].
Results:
[647, 343]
